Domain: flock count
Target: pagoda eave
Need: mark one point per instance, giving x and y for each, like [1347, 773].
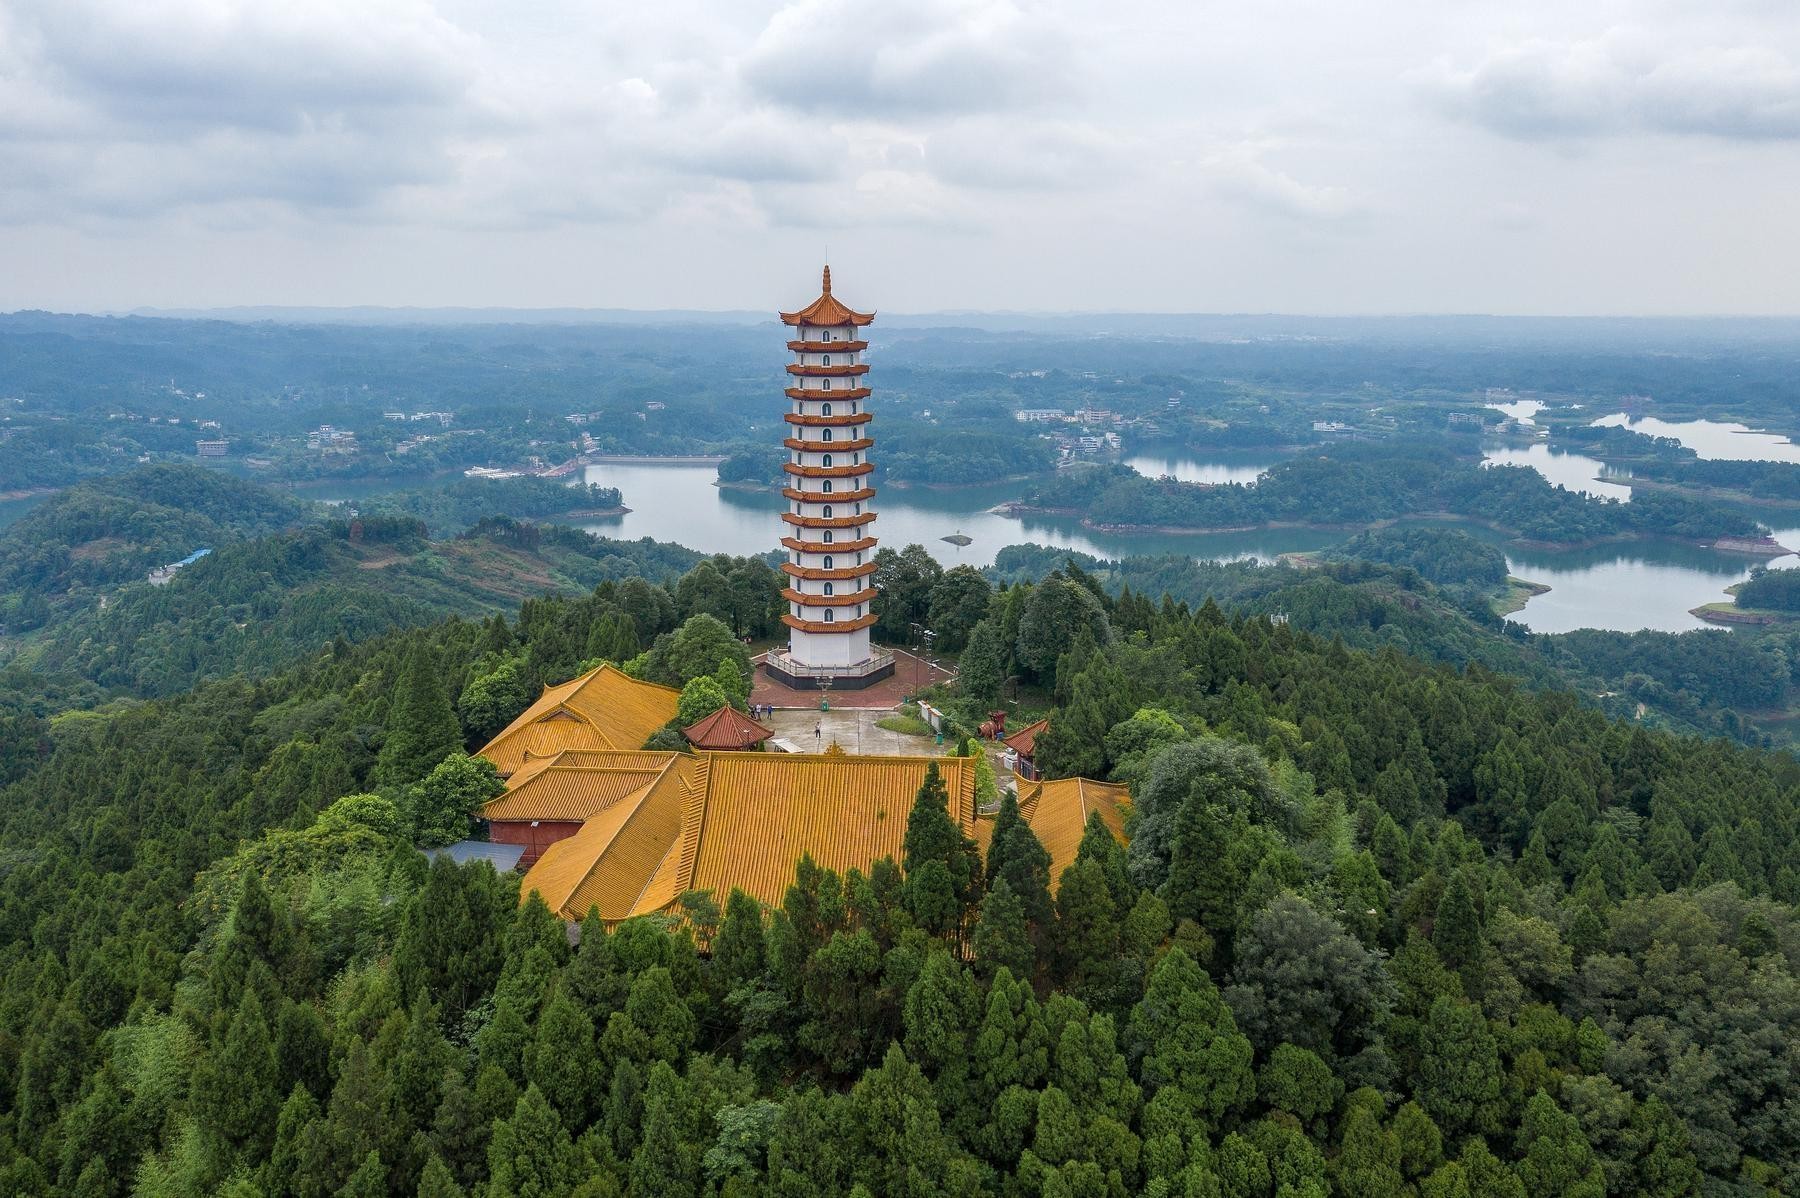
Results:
[806, 600]
[827, 396]
[822, 547]
[821, 574]
[852, 471]
[828, 446]
[828, 347]
[832, 522]
[834, 421]
[827, 496]
[799, 625]
[827, 372]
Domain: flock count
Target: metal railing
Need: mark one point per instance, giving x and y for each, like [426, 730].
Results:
[789, 666]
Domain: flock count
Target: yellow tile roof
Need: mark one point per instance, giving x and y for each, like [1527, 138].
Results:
[759, 812]
[610, 861]
[1057, 811]
[605, 708]
[715, 821]
[575, 784]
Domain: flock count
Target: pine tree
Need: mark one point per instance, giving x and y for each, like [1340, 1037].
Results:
[233, 1091]
[1002, 940]
[1556, 1158]
[666, 1164]
[933, 839]
[369, 1180]
[1368, 1163]
[530, 1154]
[738, 951]
[1087, 930]
[1456, 932]
[562, 1061]
[1460, 1076]
[983, 667]
[1016, 856]
[1187, 1041]
[421, 728]
[436, 1181]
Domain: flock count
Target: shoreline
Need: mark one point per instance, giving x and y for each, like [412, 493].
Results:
[651, 459]
[27, 493]
[1746, 546]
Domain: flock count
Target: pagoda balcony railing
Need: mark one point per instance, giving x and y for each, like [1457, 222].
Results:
[877, 659]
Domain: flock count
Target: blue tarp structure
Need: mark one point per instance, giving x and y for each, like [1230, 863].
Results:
[501, 856]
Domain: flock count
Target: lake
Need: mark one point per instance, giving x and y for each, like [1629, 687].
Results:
[1193, 470]
[1522, 410]
[1713, 440]
[1571, 471]
[681, 504]
[1648, 584]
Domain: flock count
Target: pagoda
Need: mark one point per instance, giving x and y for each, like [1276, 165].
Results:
[830, 564]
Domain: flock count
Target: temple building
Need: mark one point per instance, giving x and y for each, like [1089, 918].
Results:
[607, 824]
[828, 525]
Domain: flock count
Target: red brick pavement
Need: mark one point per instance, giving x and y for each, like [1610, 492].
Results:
[911, 674]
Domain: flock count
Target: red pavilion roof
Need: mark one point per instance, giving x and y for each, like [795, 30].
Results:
[726, 729]
[827, 310]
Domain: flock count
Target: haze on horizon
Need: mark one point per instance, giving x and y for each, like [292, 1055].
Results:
[1616, 157]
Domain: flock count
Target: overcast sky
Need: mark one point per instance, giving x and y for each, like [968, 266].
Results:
[1320, 156]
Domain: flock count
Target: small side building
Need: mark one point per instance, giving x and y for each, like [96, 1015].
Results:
[726, 730]
[1023, 744]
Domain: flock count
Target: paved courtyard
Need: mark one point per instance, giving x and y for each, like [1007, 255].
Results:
[851, 727]
[912, 674]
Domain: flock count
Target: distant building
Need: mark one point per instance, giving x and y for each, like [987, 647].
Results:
[395, 416]
[1037, 415]
[1330, 426]
[211, 449]
[1466, 418]
[655, 405]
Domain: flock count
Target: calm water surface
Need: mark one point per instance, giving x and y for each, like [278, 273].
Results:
[1523, 410]
[1192, 470]
[1572, 471]
[1713, 440]
[681, 504]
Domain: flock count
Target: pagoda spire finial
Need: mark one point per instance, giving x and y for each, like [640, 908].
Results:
[828, 280]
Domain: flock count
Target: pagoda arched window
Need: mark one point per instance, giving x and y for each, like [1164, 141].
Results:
[828, 589]
[825, 360]
[825, 435]
[828, 511]
[828, 536]
[859, 507]
[826, 384]
[827, 487]
[826, 408]
[827, 459]
[829, 615]
[828, 563]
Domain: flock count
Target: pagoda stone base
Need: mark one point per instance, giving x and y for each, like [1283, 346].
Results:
[829, 678]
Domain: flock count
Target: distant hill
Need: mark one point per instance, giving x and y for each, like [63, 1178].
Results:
[260, 605]
[115, 528]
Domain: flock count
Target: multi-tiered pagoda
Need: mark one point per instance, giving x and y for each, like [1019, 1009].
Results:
[828, 535]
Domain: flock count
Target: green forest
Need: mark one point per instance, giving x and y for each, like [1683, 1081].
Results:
[1383, 927]
[1362, 484]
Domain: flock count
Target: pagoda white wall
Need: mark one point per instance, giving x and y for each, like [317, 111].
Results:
[829, 648]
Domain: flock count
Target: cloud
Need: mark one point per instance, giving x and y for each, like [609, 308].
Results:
[1004, 154]
[920, 57]
[1625, 82]
[150, 105]
[1241, 175]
